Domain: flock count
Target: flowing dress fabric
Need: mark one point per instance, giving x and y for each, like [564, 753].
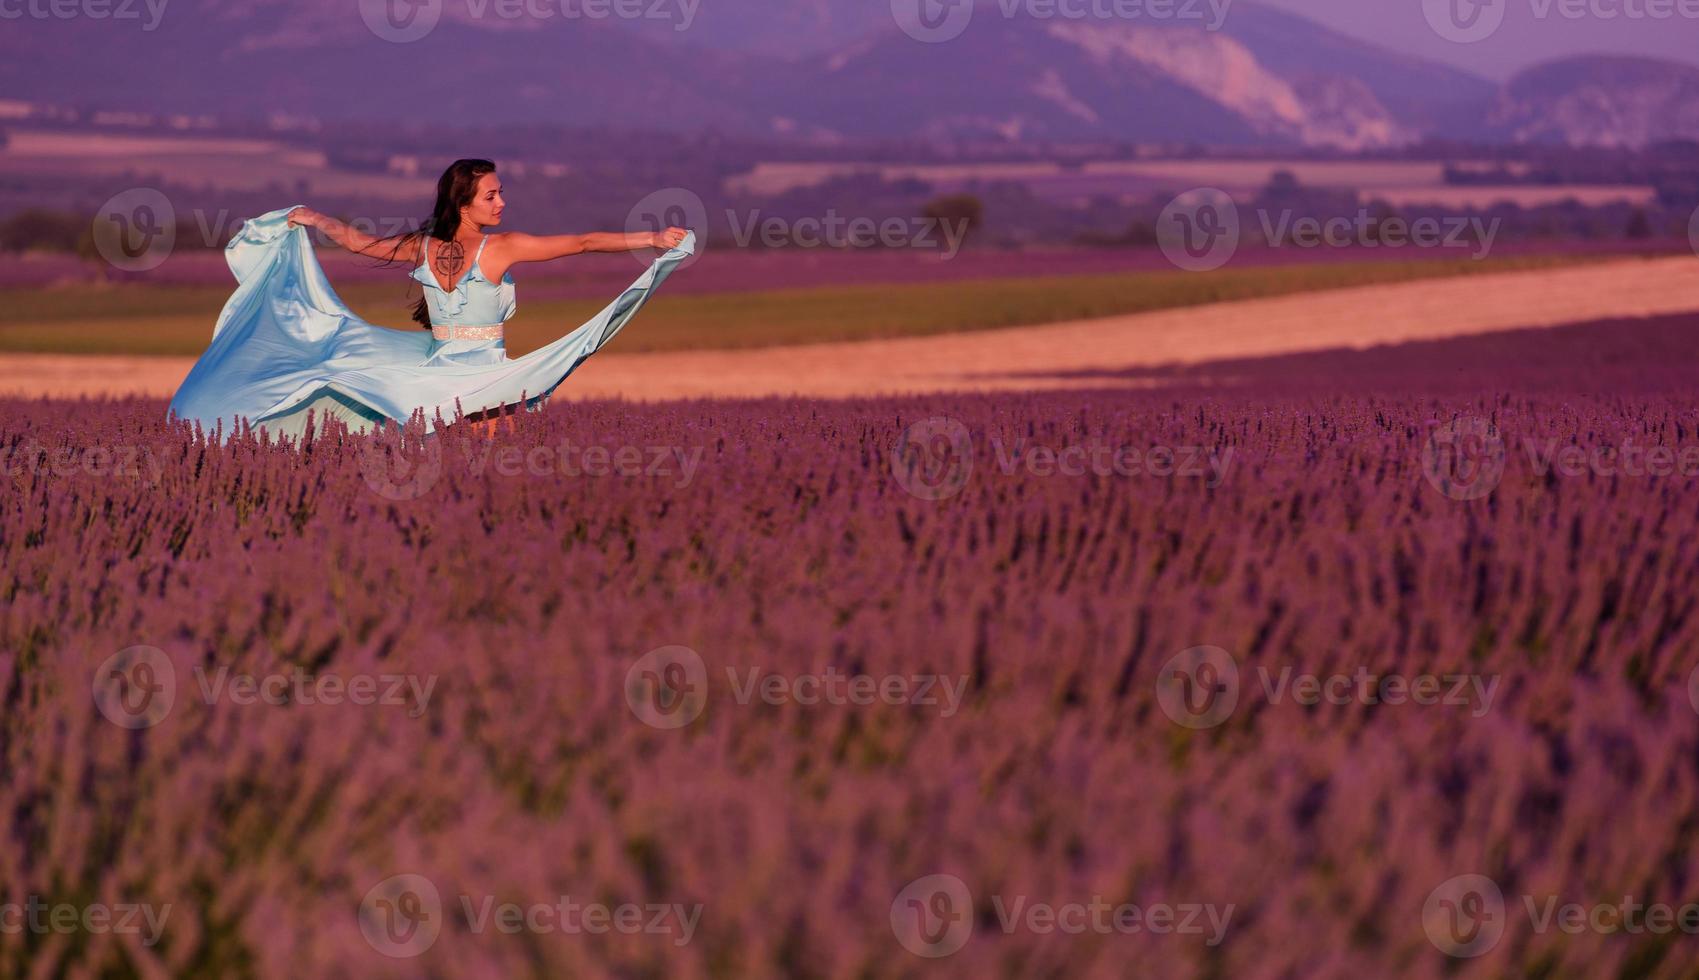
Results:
[285, 344]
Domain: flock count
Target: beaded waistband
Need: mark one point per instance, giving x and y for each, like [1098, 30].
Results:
[450, 331]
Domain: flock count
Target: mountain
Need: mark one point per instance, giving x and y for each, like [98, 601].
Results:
[828, 69]
[1267, 78]
[1599, 101]
[319, 58]
[1419, 93]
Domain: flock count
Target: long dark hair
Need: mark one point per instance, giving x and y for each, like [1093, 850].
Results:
[455, 189]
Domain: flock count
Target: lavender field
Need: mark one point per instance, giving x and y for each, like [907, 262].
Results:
[1244, 674]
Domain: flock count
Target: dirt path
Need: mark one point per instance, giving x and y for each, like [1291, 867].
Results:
[1005, 359]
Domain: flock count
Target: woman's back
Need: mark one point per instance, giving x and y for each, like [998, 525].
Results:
[475, 308]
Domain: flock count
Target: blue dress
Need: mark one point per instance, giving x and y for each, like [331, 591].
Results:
[285, 344]
[466, 321]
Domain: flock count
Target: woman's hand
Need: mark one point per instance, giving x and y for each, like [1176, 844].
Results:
[669, 238]
[304, 216]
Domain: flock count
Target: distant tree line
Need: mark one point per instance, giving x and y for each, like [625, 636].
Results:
[1665, 218]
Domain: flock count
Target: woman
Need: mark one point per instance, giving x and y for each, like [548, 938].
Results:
[286, 345]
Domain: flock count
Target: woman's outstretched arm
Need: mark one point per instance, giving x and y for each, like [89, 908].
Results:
[351, 238]
[519, 247]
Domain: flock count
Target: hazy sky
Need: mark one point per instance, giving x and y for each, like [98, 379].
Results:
[1525, 36]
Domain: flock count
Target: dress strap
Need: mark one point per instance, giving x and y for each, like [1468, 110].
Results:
[479, 253]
